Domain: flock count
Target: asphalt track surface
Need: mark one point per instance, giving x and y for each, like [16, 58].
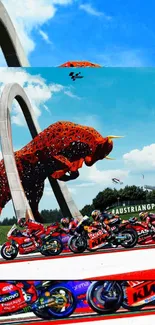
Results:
[75, 318]
[38, 256]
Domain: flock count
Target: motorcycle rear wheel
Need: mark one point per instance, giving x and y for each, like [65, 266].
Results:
[42, 314]
[8, 256]
[126, 306]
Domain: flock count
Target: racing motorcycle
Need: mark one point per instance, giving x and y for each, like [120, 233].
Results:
[106, 297]
[92, 239]
[44, 299]
[145, 236]
[19, 244]
[79, 289]
[55, 231]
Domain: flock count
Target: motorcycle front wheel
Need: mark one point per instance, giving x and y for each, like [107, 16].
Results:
[105, 297]
[77, 244]
[9, 252]
[132, 238]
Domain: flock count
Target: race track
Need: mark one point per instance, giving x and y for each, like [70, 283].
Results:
[87, 318]
[38, 256]
[84, 266]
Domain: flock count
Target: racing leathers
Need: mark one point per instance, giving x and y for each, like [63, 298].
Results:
[33, 229]
[86, 221]
[150, 221]
[71, 227]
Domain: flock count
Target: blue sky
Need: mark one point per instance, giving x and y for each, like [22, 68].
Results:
[111, 33]
[113, 100]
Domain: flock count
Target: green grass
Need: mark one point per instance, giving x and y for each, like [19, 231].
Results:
[3, 233]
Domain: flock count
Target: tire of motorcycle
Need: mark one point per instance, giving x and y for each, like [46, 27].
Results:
[9, 256]
[108, 307]
[92, 249]
[42, 314]
[126, 306]
[134, 240]
[75, 248]
[70, 305]
[51, 252]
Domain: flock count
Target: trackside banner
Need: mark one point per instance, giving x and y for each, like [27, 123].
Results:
[134, 208]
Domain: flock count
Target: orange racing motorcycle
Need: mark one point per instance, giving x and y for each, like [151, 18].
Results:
[93, 238]
[106, 297]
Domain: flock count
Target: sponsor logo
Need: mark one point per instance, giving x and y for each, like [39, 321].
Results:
[134, 208]
[146, 291]
[143, 232]
[8, 298]
[14, 302]
[82, 285]
[8, 288]
[26, 245]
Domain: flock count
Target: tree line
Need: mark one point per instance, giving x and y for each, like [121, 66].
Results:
[108, 198]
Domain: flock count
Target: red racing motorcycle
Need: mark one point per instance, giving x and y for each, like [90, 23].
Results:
[145, 236]
[55, 231]
[44, 298]
[19, 244]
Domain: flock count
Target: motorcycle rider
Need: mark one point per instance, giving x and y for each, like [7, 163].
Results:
[149, 219]
[104, 217]
[33, 229]
[99, 221]
[68, 225]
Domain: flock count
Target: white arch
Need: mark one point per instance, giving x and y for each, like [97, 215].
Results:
[9, 41]
[15, 57]
[20, 202]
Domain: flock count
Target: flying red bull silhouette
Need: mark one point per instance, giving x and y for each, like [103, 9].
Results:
[60, 149]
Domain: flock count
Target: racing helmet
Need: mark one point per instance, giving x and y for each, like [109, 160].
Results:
[96, 214]
[65, 222]
[21, 222]
[143, 215]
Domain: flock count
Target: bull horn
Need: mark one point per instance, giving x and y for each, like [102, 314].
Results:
[109, 158]
[115, 137]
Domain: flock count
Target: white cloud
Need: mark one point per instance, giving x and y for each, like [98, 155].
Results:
[29, 15]
[70, 94]
[35, 87]
[96, 176]
[45, 37]
[141, 160]
[92, 11]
